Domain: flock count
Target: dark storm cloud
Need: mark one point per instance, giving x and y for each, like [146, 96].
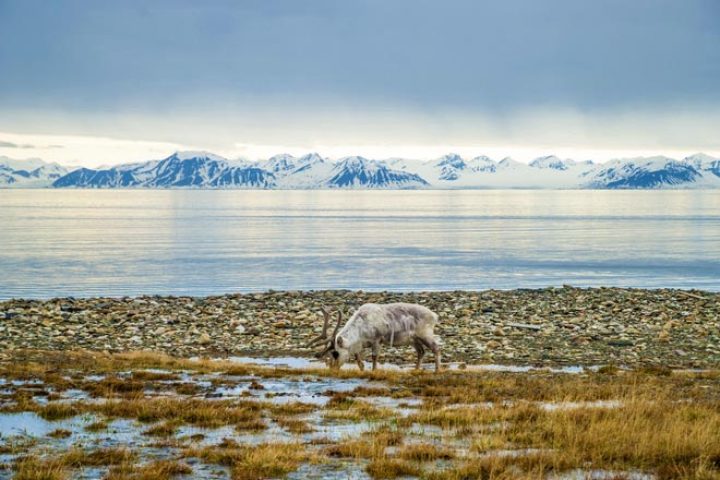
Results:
[477, 55]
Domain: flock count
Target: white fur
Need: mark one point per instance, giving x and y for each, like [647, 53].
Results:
[394, 324]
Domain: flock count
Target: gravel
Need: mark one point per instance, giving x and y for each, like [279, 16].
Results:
[553, 326]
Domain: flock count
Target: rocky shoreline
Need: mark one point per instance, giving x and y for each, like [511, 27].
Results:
[551, 327]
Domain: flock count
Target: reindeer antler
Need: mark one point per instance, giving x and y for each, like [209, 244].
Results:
[329, 339]
[323, 337]
[337, 325]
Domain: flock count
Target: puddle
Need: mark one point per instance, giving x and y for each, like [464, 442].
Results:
[547, 406]
[29, 424]
[410, 405]
[580, 474]
[335, 430]
[74, 394]
[550, 406]
[513, 453]
[310, 389]
[492, 367]
[289, 362]
[287, 390]
[24, 424]
[331, 471]
[304, 363]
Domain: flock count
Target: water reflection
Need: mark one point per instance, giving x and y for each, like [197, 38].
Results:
[129, 242]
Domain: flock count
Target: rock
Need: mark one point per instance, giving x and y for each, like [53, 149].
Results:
[525, 326]
[544, 327]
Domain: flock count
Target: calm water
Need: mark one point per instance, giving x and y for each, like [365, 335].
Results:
[110, 242]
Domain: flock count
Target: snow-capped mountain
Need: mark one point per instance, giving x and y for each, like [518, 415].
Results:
[311, 171]
[207, 170]
[450, 166]
[359, 172]
[280, 163]
[704, 163]
[30, 173]
[483, 164]
[551, 161]
[181, 169]
[453, 171]
[652, 172]
[27, 164]
[200, 169]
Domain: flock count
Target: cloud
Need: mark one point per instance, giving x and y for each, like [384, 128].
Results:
[493, 56]
[4, 144]
[611, 75]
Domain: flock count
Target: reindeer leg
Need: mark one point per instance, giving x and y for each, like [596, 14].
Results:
[433, 345]
[359, 361]
[420, 353]
[375, 352]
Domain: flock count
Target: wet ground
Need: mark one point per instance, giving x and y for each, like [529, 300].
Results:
[46, 412]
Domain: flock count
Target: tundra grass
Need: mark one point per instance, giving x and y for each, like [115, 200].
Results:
[157, 470]
[488, 425]
[252, 462]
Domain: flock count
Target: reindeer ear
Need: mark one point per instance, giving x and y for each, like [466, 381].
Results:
[339, 342]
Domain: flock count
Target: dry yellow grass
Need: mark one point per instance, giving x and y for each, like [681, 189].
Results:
[535, 466]
[32, 468]
[342, 406]
[98, 426]
[291, 408]
[114, 386]
[372, 444]
[270, 460]
[425, 452]
[356, 448]
[154, 376]
[192, 411]
[61, 467]
[164, 429]
[459, 386]
[78, 457]
[293, 425]
[667, 423]
[672, 437]
[252, 462]
[157, 470]
[250, 424]
[391, 468]
[56, 411]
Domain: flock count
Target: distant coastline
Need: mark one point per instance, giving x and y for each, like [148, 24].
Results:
[203, 170]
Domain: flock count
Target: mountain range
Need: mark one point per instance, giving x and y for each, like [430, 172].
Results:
[29, 173]
[311, 171]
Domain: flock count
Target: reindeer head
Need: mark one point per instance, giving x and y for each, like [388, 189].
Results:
[333, 348]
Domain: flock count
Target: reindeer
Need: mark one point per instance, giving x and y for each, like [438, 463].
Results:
[393, 324]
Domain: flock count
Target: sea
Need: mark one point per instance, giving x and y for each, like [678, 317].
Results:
[83, 243]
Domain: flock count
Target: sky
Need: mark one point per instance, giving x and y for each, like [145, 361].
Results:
[97, 82]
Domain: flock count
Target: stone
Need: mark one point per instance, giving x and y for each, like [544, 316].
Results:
[569, 326]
